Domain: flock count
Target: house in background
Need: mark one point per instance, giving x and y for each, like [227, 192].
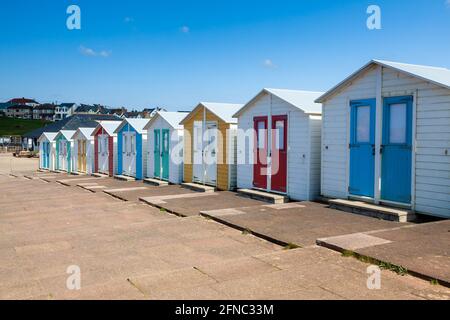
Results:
[385, 138]
[3, 108]
[210, 145]
[20, 111]
[147, 113]
[64, 110]
[279, 144]
[45, 111]
[165, 146]
[24, 101]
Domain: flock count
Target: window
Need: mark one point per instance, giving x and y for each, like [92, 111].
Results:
[397, 123]
[363, 124]
[261, 135]
[279, 135]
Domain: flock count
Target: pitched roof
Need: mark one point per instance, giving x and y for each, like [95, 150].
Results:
[137, 124]
[435, 75]
[19, 106]
[72, 123]
[85, 132]
[108, 126]
[50, 136]
[67, 134]
[21, 101]
[67, 104]
[45, 106]
[224, 111]
[172, 118]
[303, 100]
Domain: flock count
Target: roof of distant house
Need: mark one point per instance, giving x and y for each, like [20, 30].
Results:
[45, 106]
[22, 101]
[67, 104]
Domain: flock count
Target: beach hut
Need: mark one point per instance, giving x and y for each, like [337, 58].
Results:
[105, 147]
[64, 144]
[83, 154]
[279, 143]
[132, 148]
[386, 137]
[47, 150]
[165, 146]
[210, 145]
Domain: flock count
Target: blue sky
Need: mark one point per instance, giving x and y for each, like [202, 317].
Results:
[176, 53]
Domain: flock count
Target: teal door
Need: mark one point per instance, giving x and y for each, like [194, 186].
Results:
[157, 153]
[165, 153]
[396, 150]
[46, 155]
[362, 148]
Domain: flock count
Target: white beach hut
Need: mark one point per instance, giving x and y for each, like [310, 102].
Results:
[279, 143]
[83, 150]
[165, 146]
[386, 137]
[47, 150]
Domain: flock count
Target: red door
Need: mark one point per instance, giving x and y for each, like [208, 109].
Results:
[260, 153]
[279, 154]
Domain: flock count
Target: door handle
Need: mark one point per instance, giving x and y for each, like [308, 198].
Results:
[373, 150]
[381, 149]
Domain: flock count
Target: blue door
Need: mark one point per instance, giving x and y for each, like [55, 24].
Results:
[396, 150]
[362, 148]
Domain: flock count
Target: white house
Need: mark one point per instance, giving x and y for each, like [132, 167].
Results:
[165, 146]
[279, 143]
[83, 150]
[47, 150]
[386, 137]
[64, 110]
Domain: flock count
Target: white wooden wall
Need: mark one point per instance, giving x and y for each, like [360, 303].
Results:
[176, 139]
[232, 156]
[335, 134]
[432, 153]
[303, 147]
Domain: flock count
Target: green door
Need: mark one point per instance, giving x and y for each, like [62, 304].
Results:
[165, 154]
[157, 153]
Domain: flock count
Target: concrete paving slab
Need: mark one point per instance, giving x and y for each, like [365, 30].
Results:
[354, 241]
[124, 189]
[193, 205]
[422, 249]
[150, 191]
[179, 258]
[300, 224]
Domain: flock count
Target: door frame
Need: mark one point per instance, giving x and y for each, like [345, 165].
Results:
[165, 131]
[378, 142]
[205, 171]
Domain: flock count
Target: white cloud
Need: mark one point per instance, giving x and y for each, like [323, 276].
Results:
[128, 19]
[268, 63]
[447, 2]
[185, 29]
[92, 53]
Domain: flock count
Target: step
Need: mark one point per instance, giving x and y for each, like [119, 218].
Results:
[198, 187]
[373, 210]
[75, 173]
[100, 175]
[124, 178]
[156, 182]
[264, 196]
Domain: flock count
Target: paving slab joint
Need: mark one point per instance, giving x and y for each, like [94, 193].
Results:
[383, 264]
